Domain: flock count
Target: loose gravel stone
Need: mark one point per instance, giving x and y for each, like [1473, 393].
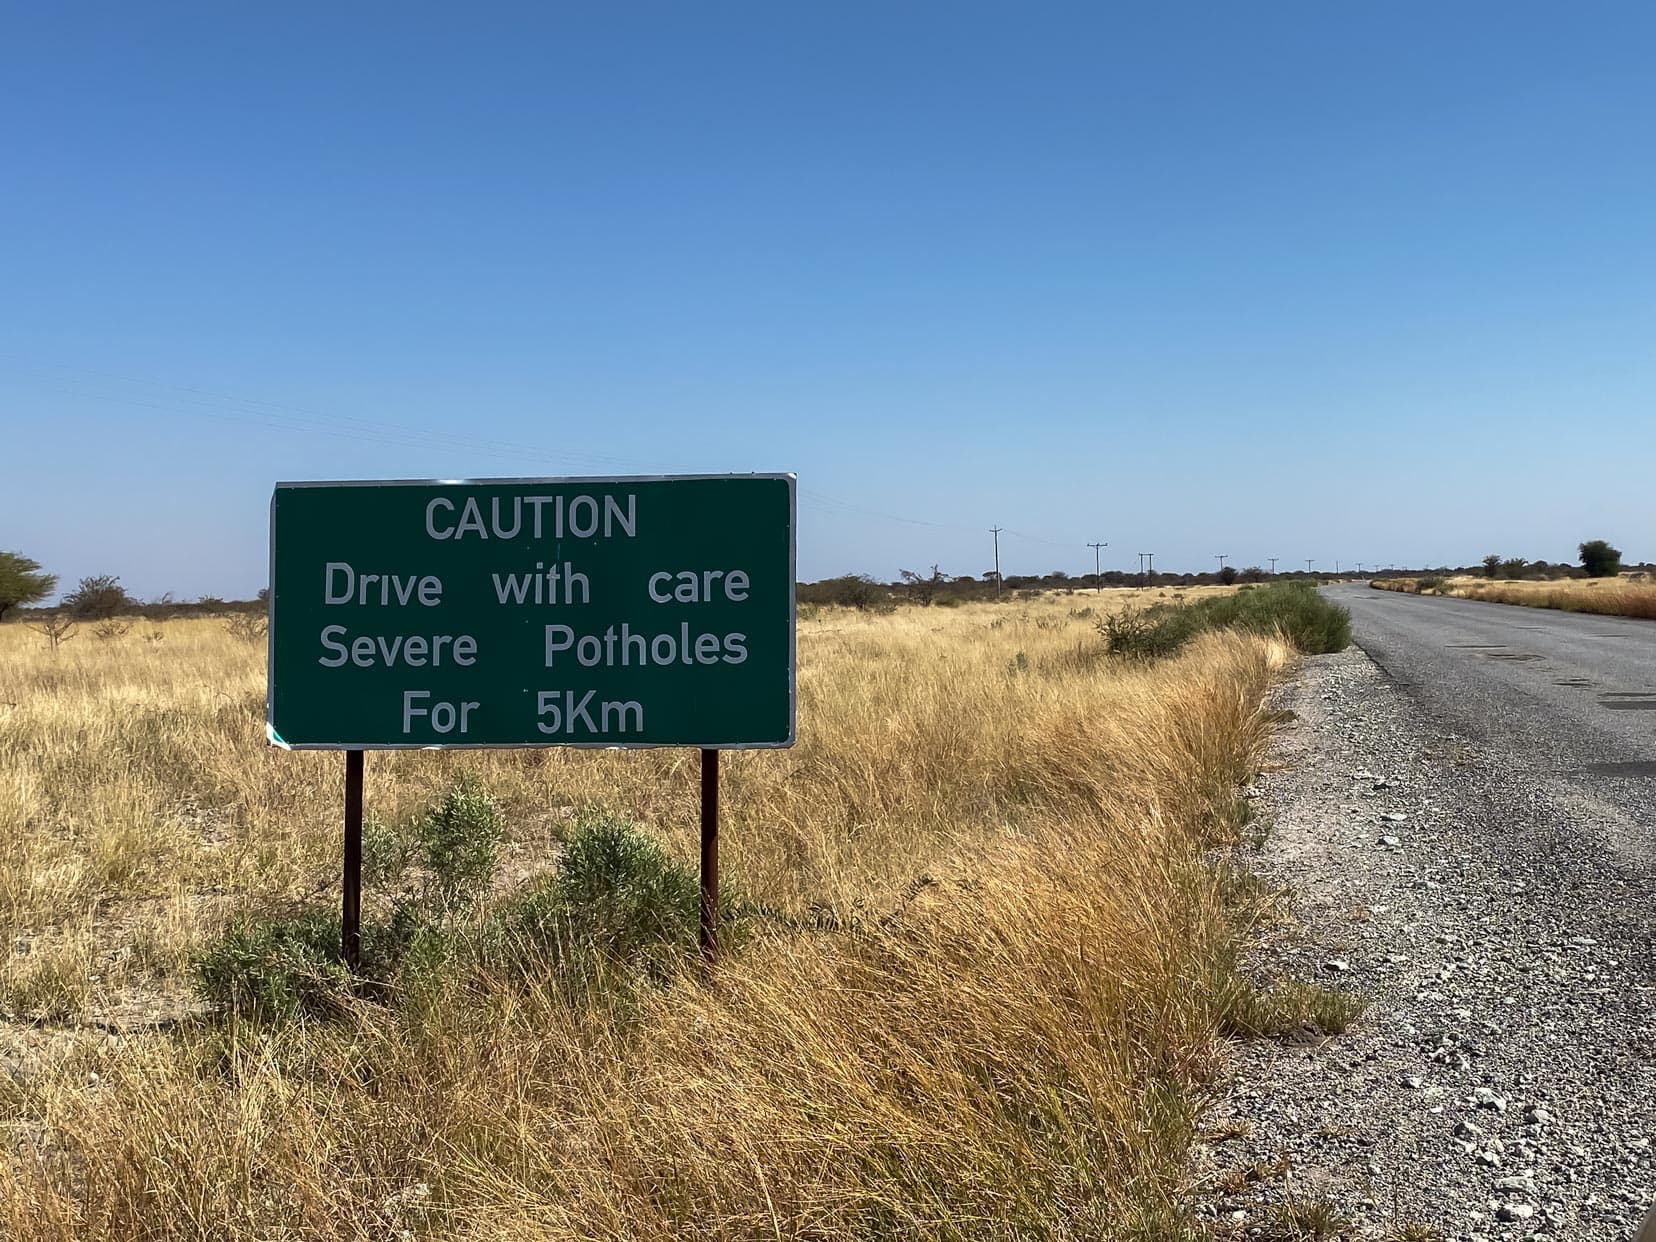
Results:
[1505, 949]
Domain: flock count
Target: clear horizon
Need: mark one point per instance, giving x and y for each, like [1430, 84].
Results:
[1359, 286]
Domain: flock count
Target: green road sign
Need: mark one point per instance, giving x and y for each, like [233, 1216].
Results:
[533, 612]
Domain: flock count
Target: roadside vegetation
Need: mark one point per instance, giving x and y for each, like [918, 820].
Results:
[983, 962]
[1632, 595]
[1292, 611]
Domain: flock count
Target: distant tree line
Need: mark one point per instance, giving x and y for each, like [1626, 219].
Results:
[99, 597]
[934, 588]
[1598, 560]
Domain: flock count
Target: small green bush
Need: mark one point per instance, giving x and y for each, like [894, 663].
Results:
[1148, 634]
[386, 854]
[276, 968]
[618, 909]
[459, 839]
[616, 898]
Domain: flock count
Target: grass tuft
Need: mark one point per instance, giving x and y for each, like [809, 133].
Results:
[1287, 1007]
[1309, 1221]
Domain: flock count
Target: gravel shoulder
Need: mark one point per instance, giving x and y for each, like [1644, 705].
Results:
[1502, 1083]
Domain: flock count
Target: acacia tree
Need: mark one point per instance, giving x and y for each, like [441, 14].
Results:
[1599, 559]
[857, 591]
[22, 581]
[922, 588]
[97, 598]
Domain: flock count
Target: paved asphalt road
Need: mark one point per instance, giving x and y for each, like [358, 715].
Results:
[1565, 693]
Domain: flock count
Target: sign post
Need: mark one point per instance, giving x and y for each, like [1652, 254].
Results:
[709, 926]
[350, 915]
[618, 613]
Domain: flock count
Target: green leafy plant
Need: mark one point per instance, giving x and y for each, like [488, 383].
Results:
[460, 840]
[617, 898]
[276, 967]
[1295, 610]
[1148, 634]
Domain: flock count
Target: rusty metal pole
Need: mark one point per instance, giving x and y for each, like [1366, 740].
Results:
[350, 921]
[709, 856]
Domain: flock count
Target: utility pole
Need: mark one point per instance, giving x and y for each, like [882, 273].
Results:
[1309, 561]
[996, 532]
[1273, 566]
[1149, 560]
[1098, 574]
[1359, 569]
[1221, 557]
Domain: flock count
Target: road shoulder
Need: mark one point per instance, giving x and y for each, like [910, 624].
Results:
[1502, 1083]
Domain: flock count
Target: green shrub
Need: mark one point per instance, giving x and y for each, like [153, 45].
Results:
[857, 591]
[386, 854]
[1292, 609]
[618, 908]
[459, 839]
[1432, 584]
[276, 968]
[616, 898]
[1148, 634]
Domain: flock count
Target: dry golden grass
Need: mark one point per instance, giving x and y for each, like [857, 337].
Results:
[1631, 595]
[1019, 1053]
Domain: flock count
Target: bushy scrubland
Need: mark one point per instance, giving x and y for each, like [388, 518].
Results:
[982, 968]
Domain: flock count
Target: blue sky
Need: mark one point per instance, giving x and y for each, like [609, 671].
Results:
[1305, 280]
